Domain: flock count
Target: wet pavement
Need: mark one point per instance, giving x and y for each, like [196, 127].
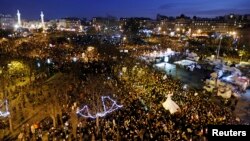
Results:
[191, 78]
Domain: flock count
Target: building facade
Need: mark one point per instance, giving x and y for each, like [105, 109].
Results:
[7, 21]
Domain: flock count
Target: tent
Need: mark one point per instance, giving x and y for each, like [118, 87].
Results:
[170, 105]
[185, 62]
[224, 92]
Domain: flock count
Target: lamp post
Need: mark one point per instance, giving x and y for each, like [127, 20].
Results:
[74, 63]
[218, 50]
[124, 40]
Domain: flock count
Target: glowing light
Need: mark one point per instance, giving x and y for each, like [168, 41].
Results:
[199, 31]
[19, 18]
[84, 112]
[74, 59]
[16, 26]
[38, 65]
[124, 38]
[166, 59]
[185, 86]
[48, 61]
[6, 112]
[172, 34]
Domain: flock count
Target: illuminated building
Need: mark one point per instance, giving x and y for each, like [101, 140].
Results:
[6, 21]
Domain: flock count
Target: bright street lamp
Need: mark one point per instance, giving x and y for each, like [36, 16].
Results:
[199, 31]
[124, 38]
[48, 61]
[218, 50]
[74, 59]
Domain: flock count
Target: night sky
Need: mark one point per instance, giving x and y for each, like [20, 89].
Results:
[30, 9]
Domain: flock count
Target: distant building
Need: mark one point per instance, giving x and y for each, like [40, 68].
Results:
[208, 25]
[105, 25]
[161, 17]
[247, 17]
[69, 24]
[164, 24]
[141, 22]
[7, 21]
[226, 24]
[182, 22]
[31, 25]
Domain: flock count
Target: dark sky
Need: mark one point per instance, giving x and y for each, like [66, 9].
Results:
[30, 9]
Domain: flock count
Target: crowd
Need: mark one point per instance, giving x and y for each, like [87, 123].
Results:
[141, 90]
[143, 116]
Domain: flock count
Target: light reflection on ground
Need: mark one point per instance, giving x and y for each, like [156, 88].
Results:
[192, 78]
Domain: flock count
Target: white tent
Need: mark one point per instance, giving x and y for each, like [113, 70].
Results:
[224, 92]
[170, 105]
[185, 62]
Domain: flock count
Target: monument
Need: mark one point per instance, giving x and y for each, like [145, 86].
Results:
[19, 23]
[42, 20]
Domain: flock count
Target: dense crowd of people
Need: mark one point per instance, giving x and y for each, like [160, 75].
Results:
[144, 118]
[141, 90]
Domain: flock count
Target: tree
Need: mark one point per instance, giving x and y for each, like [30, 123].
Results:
[52, 28]
[227, 41]
[132, 26]
[4, 33]
[40, 30]
[91, 30]
[55, 109]
[242, 53]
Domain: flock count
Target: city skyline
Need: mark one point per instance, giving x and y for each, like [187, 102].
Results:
[84, 8]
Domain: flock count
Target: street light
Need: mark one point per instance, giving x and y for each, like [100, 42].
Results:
[38, 65]
[218, 50]
[74, 73]
[199, 31]
[159, 30]
[124, 40]
[74, 59]
[234, 34]
[48, 61]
